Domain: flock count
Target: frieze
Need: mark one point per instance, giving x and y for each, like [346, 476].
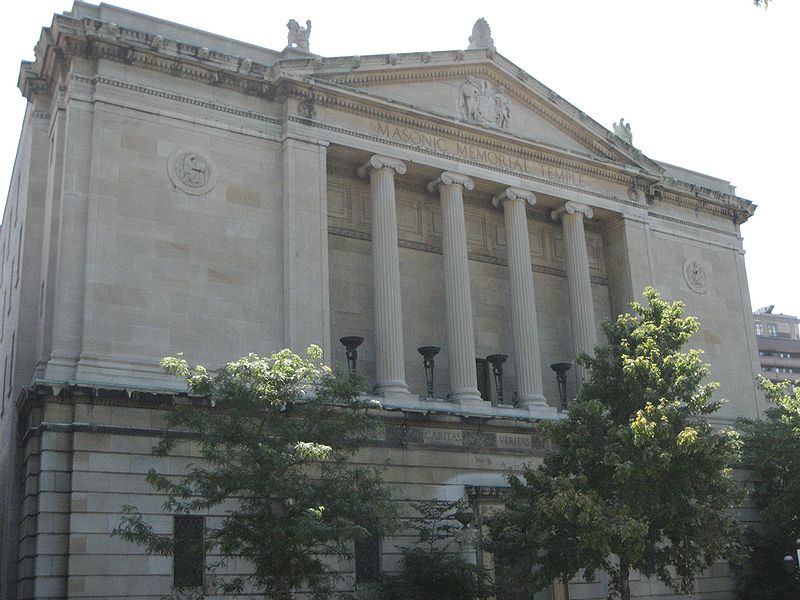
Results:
[462, 438]
[475, 153]
[181, 60]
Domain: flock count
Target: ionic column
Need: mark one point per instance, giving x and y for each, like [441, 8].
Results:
[389, 361]
[524, 327]
[584, 332]
[458, 300]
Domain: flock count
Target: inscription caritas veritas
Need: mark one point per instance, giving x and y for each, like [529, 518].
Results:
[474, 153]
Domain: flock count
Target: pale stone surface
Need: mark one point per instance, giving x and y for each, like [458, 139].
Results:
[458, 298]
[581, 304]
[390, 366]
[111, 260]
[523, 302]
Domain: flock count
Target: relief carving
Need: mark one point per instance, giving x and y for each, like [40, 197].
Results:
[623, 131]
[191, 172]
[481, 103]
[695, 275]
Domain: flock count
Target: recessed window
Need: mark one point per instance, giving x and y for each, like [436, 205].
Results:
[368, 556]
[773, 329]
[189, 557]
[759, 329]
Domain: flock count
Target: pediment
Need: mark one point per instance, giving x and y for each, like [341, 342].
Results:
[482, 92]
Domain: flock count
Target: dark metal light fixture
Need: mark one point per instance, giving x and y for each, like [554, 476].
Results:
[497, 360]
[350, 343]
[428, 353]
[561, 377]
[464, 517]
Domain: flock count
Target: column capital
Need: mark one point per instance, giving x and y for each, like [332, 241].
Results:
[572, 208]
[450, 178]
[377, 161]
[514, 193]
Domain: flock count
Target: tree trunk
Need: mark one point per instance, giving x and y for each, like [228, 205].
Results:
[624, 576]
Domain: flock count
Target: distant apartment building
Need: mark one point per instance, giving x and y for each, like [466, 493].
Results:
[778, 339]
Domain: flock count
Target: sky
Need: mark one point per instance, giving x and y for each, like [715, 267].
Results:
[709, 85]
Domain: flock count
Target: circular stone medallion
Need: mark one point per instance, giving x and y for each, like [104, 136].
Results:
[191, 172]
[696, 277]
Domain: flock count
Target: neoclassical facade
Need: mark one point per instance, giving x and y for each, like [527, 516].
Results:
[177, 191]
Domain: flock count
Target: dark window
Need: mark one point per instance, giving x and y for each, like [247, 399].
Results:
[11, 365]
[368, 556]
[482, 368]
[190, 556]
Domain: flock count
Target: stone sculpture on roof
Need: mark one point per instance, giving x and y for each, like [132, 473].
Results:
[481, 37]
[623, 131]
[298, 35]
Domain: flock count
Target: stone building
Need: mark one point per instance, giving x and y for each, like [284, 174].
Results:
[778, 339]
[175, 190]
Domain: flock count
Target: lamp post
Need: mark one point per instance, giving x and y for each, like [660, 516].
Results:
[497, 360]
[428, 353]
[561, 377]
[789, 561]
[466, 537]
[351, 343]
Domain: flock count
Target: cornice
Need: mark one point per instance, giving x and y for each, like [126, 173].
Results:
[93, 39]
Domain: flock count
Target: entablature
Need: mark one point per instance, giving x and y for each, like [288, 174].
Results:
[332, 83]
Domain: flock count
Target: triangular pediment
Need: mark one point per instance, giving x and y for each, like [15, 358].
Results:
[485, 92]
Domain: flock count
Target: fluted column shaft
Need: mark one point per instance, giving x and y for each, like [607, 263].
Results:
[389, 357]
[584, 332]
[458, 299]
[524, 326]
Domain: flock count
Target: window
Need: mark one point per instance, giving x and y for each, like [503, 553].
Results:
[773, 329]
[189, 559]
[368, 556]
[759, 329]
[11, 366]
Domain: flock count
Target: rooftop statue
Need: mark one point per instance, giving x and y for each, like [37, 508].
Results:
[623, 131]
[298, 36]
[481, 37]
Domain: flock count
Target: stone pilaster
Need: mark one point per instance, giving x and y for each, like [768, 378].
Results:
[458, 299]
[389, 361]
[581, 306]
[527, 361]
[306, 310]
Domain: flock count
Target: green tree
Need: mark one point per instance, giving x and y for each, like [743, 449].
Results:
[274, 435]
[430, 571]
[637, 478]
[772, 455]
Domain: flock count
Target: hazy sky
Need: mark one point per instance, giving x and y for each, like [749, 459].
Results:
[710, 85]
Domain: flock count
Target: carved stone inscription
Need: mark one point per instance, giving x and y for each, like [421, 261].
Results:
[458, 438]
[475, 153]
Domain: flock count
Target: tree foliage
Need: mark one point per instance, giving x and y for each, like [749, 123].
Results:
[772, 454]
[637, 478]
[274, 435]
[430, 571]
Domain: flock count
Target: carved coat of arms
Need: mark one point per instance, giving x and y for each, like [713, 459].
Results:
[480, 102]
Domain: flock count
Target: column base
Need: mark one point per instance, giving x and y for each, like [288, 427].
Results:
[466, 397]
[393, 389]
[532, 400]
